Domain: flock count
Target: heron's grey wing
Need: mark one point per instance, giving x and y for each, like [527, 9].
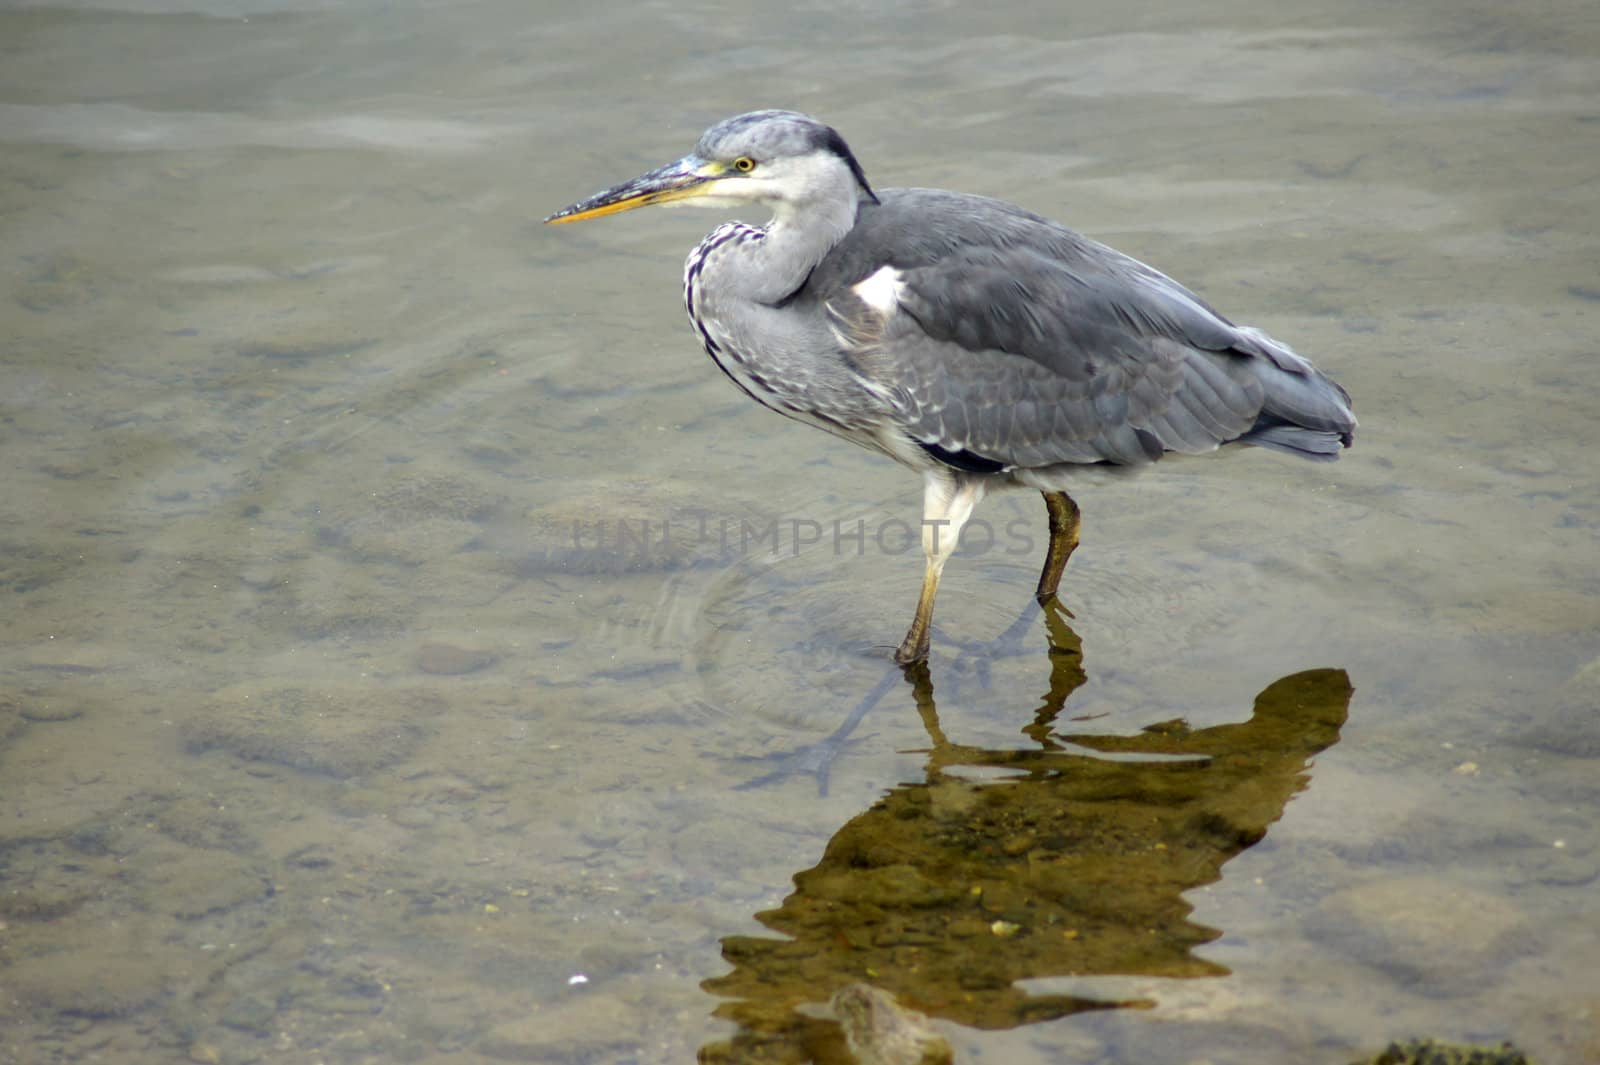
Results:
[1027, 345]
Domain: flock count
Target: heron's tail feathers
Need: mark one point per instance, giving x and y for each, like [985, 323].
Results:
[1296, 440]
[1303, 412]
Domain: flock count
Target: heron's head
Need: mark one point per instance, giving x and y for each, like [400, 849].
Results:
[782, 159]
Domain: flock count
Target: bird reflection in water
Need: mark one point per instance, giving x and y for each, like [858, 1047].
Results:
[1070, 859]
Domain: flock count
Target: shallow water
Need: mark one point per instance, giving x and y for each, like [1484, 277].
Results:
[396, 600]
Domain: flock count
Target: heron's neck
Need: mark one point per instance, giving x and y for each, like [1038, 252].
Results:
[794, 242]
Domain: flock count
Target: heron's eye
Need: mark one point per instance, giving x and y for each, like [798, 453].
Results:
[744, 164]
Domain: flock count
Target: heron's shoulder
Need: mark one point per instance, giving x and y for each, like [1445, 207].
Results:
[955, 204]
[946, 221]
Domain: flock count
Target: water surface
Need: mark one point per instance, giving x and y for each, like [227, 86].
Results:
[383, 647]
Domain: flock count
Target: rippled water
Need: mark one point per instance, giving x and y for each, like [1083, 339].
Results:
[395, 598]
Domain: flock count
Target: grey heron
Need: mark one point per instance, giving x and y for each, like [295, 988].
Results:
[976, 342]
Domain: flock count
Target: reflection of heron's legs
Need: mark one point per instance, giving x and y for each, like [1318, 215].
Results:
[922, 691]
[1066, 671]
[1066, 674]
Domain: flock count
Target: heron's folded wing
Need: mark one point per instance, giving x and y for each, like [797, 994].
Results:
[1057, 350]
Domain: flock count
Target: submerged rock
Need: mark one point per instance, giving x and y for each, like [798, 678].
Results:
[88, 971]
[340, 731]
[880, 1031]
[1436, 937]
[452, 660]
[1428, 1052]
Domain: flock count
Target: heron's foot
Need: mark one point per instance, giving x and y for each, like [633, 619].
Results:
[1052, 602]
[914, 648]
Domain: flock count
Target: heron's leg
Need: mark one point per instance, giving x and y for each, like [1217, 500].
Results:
[947, 503]
[1063, 540]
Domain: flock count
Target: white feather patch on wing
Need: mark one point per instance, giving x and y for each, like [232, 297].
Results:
[881, 291]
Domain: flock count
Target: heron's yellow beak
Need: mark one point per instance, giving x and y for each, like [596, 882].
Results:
[689, 177]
